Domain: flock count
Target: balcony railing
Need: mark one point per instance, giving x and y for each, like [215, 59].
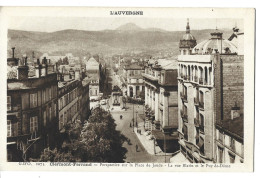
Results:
[184, 116]
[196, 101]
[196, 122]
[183, 96]
[201, 104]
[201, 128]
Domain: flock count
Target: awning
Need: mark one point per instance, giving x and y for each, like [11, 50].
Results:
[159, 135]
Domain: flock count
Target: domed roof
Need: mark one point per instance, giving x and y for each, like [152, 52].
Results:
[188, 36]
[215, 44]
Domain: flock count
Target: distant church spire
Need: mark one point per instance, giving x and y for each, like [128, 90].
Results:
[188, 27]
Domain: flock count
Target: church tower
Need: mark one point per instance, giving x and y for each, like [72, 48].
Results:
[188, 42]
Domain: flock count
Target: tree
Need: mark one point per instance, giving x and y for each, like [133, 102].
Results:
[55, 156]
[96, 141]
[103, 142]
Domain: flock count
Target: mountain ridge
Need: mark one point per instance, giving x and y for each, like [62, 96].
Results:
[79, 42]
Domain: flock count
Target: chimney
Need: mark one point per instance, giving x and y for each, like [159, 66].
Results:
[13, 48]
[23, 69]
[44, 67]
[38, 69]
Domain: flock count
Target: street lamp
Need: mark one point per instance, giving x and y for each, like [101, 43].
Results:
[136, 120]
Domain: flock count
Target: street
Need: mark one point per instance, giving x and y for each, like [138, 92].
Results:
[141, 156]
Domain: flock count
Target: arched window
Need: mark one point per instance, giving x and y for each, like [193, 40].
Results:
[188, 73]
[206, 75]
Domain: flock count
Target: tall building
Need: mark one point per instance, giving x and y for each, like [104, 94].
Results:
[206, 83]
[135, 84]
[229, 147]
[69, 103]
[93, 75]
[161, 104]
[31, 110]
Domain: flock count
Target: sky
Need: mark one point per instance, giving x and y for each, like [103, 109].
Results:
[51, 24]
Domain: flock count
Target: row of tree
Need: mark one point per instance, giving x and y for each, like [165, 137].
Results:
[97, 140]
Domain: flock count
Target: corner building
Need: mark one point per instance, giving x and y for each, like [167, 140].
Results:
[201, 72]
[32, 123]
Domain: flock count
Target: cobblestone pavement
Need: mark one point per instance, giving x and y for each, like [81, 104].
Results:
[140, 156]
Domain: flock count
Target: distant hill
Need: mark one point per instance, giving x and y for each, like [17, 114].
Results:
[129, 27]
[126, 38]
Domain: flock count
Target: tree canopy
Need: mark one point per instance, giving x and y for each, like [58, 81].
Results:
[95, 141]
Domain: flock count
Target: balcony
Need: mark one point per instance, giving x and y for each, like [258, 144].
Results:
[184, 116]
[201, 128]
[183, 96]
[196, 122]
[201, 104]
[196, 101]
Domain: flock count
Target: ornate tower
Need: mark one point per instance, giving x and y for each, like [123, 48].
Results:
[187, 42]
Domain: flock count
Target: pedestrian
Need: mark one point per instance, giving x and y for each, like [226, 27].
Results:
[136, 147]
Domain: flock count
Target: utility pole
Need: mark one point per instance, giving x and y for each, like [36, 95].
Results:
[133, 116]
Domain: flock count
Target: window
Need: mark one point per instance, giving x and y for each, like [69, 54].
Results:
[220, 137]
[201, 123]
[33, 124]
[220, 155]
[43, 96]
[61, 122]
[50, 94]
[55, 110]
[231, 158]
[44, 118]
[9, 128]
[232, 143]
[50, 115]
[185, 131]
[9, 103]
[65, 117]
[33, 100]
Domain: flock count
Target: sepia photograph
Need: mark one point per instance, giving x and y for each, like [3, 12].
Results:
[126, 88]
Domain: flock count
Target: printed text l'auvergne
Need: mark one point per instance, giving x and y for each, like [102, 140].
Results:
[126, 13]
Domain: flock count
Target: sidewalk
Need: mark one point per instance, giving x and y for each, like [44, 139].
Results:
[148, 143]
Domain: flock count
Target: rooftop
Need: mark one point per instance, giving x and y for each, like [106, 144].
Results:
[233, 127]
[134, 67]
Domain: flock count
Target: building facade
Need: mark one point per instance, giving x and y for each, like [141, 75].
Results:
[93, 75]
[31, 110]
[161, 104]
[201, 72]
[69, 103]
[135, 83]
